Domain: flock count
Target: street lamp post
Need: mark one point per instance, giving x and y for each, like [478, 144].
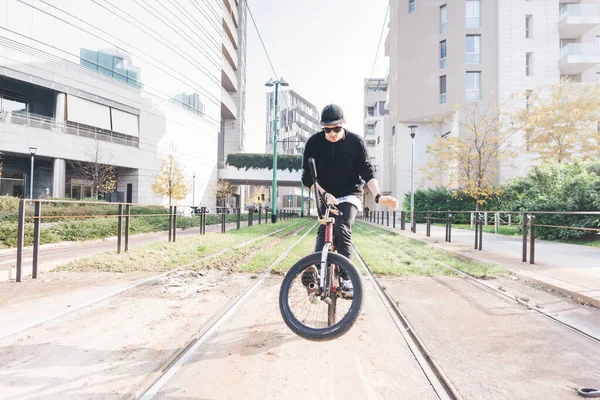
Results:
[270, 83]
[32, 151]
[194, 190]
[412, 179]
[301, 149]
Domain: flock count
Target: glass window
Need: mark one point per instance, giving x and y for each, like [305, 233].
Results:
[528, 26]
[370, 129]
[443, 49]
[473, 13]
[105, 62]
[528, 70]
[473, 86]
[443, 19]
[120, 69]
[371, 111]
[411, 6]
[443, 89]
[89, 58]
[473, 50]
[12, 104]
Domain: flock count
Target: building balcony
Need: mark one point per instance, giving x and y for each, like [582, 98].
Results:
[228, 108]
[229, 79]
[372, 119]
[230, 28]
[230, 52]
[576, 58]
[577, 19]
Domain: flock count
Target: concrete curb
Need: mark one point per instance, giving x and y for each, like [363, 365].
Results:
[560, 287]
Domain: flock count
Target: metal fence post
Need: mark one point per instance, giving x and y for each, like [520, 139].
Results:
[20, 238]
[174, 223]
[170, 222]
[36, 238]
[239, 217]
[259, 215]
[496, 223]
[447, 222]
[532, 240]
[524, 237]
[428, 218]
[394, 219]
[127, 221]
[476, 220]
[403, 220]
[485, 215]
[120, 229]
[203, 222]
[223, 221]
[472, 219]
[388, 218]
[481, 215]
[450, 215]
[250, 214]
[413, 221]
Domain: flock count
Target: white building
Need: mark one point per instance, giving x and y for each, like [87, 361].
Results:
[377, 136]
[134, 78]
[467, 50]
[298, 120]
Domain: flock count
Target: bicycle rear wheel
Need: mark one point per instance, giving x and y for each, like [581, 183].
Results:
[310, 316]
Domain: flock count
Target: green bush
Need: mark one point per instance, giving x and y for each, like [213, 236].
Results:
[573, 187]
[291, 162]
[442, 199]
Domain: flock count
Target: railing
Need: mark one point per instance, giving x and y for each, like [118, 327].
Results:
[229, 103]
[48, 123]
[579, 49]
[230, 74]
[526, 221]
[41, 211]
[231, 28]
[579, 10]
[229, 47]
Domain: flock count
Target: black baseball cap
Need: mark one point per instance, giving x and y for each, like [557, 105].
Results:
[332, 115]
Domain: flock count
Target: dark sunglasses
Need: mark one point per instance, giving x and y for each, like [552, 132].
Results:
[337, 129]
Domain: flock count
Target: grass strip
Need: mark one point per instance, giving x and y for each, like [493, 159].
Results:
[163, 256]
[261, 260]
[386, 257]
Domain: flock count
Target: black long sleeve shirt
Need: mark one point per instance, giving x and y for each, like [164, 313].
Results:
[341, 166]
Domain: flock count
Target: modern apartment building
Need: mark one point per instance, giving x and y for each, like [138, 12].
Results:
[464, 51]
[131, 79]
[298, 120]
[377, 136]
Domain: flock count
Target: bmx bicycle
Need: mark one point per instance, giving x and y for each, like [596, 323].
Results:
[312, 301]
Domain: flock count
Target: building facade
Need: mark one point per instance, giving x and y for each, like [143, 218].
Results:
[377, 136]
[465, 51]
[298, 120]
[127, 81]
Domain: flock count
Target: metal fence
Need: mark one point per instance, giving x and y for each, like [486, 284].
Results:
[477, 220]
[123, 213]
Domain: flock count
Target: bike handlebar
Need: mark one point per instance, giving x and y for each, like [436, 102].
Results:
[318, 195]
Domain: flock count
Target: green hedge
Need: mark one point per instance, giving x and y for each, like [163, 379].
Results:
[248, 161]
[573, 187]
[442, 199]
[99, 228]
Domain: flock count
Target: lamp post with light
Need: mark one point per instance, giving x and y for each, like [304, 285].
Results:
[412, 179]
[270, 83]
[32, 151]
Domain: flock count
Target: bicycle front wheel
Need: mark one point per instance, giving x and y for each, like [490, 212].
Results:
[304, 310]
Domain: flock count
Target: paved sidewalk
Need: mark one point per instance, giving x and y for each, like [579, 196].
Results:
[52, 255]
[568, 268]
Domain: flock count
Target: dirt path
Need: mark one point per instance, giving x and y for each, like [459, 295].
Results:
[494, 349]
[108, 351]
[255, 356]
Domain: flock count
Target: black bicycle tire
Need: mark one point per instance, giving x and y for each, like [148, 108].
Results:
[331, 332]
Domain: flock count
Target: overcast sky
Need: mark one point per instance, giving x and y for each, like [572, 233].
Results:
[324, 49]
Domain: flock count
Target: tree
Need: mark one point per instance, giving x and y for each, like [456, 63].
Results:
[97, 170]
[561, 121]
[468, 161]
[223, 191]
[170, 181]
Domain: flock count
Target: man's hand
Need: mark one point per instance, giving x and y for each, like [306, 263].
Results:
[389, 201]
[330, 199]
